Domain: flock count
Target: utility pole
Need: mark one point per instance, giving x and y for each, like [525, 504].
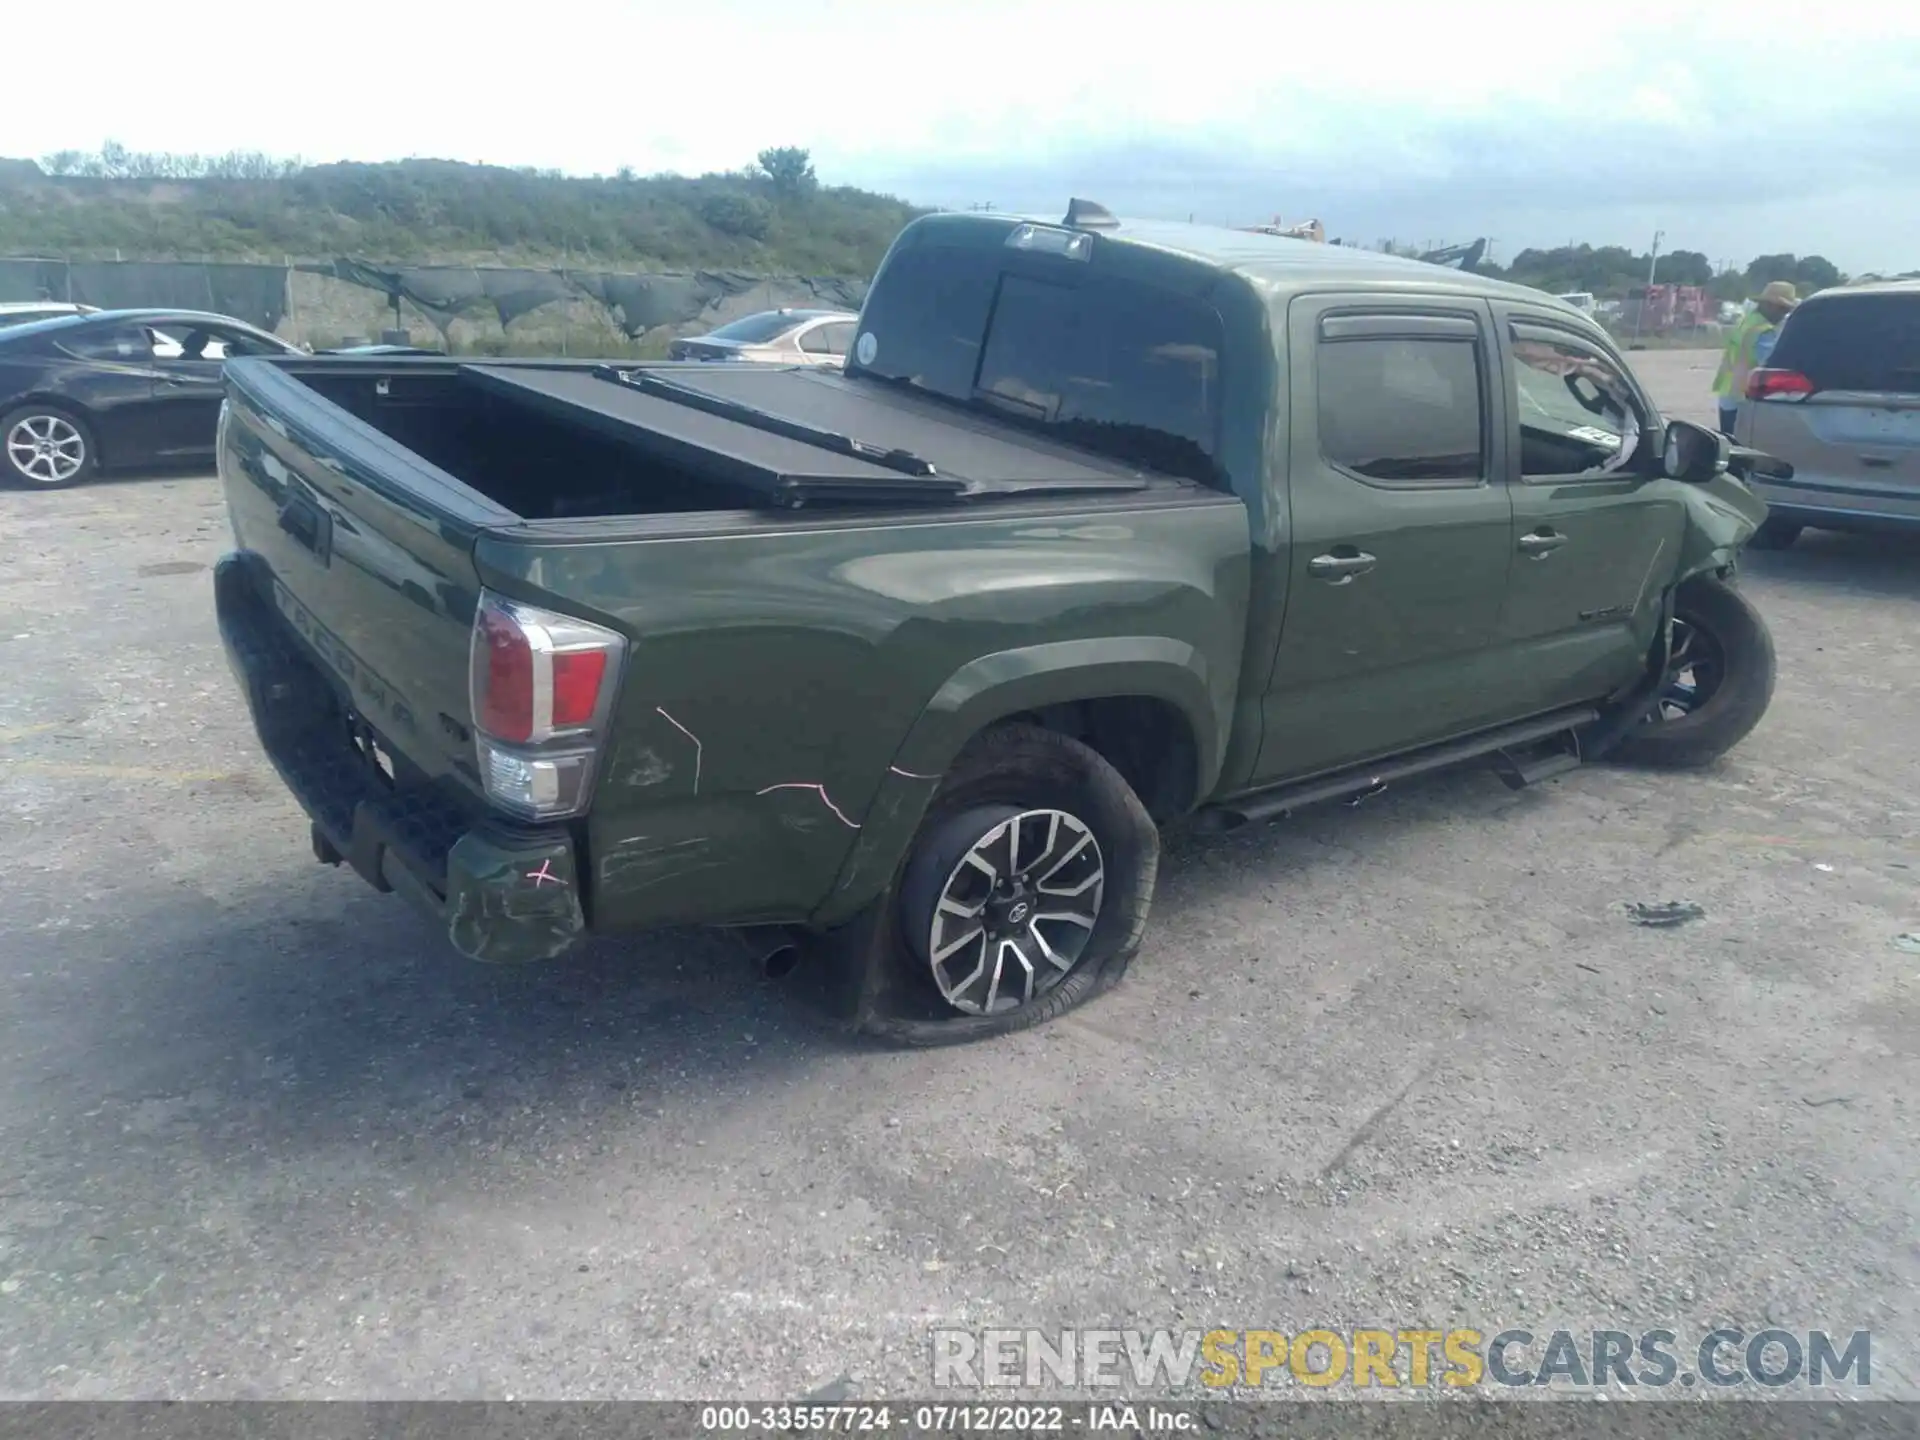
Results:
[1653, 262]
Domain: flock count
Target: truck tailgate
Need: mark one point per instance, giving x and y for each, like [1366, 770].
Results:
[367, 551]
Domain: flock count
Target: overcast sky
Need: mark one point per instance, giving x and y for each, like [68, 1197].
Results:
[1732, 127]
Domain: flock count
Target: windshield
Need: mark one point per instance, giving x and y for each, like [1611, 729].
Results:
[758, 329]
[1107, 364]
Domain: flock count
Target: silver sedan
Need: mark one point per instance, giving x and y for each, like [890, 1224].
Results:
[775, 337]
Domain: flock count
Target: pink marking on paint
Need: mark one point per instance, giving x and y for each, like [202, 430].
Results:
[697, 750]
[544, 875]
[911, 775]
[819, 790]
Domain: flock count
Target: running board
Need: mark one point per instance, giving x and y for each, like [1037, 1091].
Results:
[1523, 754]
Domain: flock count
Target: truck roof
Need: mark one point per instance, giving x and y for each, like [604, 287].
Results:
[1277, 261]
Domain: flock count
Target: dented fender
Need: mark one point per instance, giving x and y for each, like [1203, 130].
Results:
[1722, 515]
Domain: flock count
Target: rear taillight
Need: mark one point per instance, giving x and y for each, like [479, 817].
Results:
[1764, 384]
[542, 689]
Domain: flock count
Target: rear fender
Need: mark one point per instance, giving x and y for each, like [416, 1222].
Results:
[1722, 515]
[993, 688]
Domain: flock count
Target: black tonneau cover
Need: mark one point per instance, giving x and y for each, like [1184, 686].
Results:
[786, 432]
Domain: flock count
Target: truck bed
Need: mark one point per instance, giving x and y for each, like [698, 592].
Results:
[549, 440]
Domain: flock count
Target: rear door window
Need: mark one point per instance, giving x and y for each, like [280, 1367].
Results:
[1403, 411]
[121, 342]
[1854, 342]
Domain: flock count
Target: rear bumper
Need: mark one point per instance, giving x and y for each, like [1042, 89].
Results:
[502, 893]
[1839, 506]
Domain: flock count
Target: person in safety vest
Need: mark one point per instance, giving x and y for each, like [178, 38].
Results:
[1748, 345]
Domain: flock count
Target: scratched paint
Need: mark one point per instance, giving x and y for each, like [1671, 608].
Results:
[819, 790]
[911, 774]
[698, 749]
[647, 768]
[641, 854]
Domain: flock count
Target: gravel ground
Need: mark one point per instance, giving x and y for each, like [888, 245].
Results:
[262, 1134]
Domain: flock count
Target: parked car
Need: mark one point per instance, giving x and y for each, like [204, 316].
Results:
[25, 312]
[1104, 525]
[115, 388]
[382, 349]
[1839, 399]
[775, 337]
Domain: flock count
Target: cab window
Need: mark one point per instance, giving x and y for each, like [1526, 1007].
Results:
[1576, 408]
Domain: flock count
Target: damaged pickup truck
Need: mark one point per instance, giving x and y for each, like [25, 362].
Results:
[1106, 525]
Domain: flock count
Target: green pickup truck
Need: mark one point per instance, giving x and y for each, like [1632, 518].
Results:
[1106, 525]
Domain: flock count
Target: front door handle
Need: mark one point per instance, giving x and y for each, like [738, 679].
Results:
[1542, 543]
[1339, 569]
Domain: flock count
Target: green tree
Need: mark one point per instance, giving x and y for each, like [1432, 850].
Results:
[740, 215]
[789, 170]
[1816, 272]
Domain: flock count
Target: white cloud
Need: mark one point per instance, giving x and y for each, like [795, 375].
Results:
[1371, 94]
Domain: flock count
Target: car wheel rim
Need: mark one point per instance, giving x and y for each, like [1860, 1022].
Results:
[46, 449]
[1017, 912]
[1695, 670]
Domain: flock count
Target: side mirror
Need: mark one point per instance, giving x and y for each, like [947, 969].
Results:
[1693, 453]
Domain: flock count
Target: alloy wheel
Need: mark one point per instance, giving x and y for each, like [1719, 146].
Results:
[46, 449]
[1016, 912]
[1694, 672]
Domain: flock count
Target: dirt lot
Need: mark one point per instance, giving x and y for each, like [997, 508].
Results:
[262, 1134]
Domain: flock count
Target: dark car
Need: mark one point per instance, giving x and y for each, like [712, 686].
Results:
[114, 389]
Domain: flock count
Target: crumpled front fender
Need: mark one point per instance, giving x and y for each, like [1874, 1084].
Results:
[1722, 515]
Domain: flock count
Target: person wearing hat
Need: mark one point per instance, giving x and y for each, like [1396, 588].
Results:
[1748, 345]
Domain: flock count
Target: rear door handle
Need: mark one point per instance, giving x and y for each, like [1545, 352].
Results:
[1340, 568]
[1542, 543]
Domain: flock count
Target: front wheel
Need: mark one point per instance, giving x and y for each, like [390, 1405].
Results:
[1026, 891]
[1719, 681]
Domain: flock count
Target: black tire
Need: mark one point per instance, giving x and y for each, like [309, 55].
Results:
[1685, 734]
[19, 468]
[1008, 770]
[1775, 534]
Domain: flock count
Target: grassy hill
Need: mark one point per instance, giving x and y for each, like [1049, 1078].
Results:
[773, 218]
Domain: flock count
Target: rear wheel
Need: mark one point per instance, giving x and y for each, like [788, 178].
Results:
[1025, 893]
[45, 447]
[1775, 534]
[1719, 680]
